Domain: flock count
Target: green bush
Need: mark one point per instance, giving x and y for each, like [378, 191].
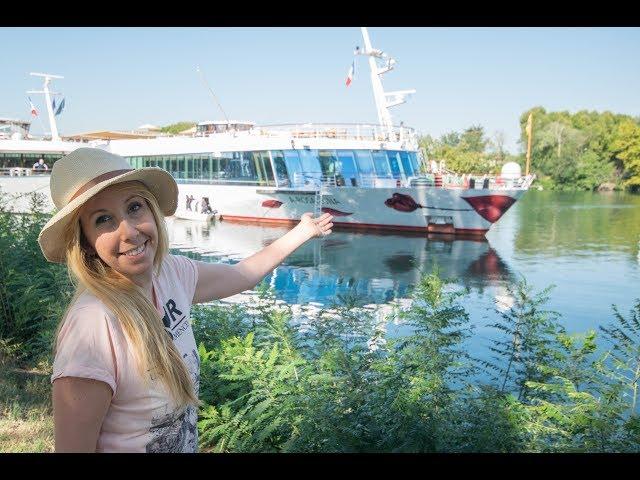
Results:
[33, 292]
[344, 385]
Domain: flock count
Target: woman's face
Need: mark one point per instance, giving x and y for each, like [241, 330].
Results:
[119, 226]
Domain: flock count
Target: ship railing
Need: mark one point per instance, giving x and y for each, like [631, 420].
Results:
[316, 181]
[373, 181]
[226, 181]
[343, 131]
[328, 180]
[23, 172]
[470, 181]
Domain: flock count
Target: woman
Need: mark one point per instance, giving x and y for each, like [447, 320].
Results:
[126, 368]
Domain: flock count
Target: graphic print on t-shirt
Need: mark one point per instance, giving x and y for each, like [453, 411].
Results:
[174, 433]
[174, 319]
[177, 432]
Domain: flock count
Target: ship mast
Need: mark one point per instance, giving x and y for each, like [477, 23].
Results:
[47, 101]
[384, 100]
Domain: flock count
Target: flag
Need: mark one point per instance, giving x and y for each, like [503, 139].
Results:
[351, 73]
[60, 108]
[53, 105]
[529, 124]
[34, 111]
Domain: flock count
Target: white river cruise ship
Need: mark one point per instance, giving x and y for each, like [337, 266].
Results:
[369, 177]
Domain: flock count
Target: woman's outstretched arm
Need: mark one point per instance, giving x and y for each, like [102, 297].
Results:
[216, 280]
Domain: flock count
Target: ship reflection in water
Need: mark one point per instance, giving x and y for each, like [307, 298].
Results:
[375, 267]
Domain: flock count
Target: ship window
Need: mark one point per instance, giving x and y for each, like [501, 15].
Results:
[198, 166]
[327, 162]
[216, 171]
[235, 167]
[173, 162]
[281, 167]
[292, 161]
[229, 169]
[263, 166]
[206, 168]
[365, 163]
[406, 164]
[347, 168]
[181, 169]
[395, 164]
[414, 161]
[248, 166]
[310, 165]
[381, 163]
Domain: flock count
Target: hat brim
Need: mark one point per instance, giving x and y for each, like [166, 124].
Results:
[159, 182]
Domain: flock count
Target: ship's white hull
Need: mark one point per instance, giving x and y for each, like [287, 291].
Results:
[428, 209]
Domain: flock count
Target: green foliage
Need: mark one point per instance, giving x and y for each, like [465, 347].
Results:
[626, 145]
[624, 337]
[341, 384]
[178, 127]
[33, 292]
[581, 151]
[468, 152]
[527, 330]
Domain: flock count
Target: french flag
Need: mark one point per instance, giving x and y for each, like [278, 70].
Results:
[34, 111]
[351, 73]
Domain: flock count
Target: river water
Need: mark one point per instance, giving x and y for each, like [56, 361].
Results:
[586, 244]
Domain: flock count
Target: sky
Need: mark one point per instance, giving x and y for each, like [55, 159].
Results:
[119, 78]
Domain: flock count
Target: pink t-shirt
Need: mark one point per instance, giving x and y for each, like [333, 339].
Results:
[92, 344]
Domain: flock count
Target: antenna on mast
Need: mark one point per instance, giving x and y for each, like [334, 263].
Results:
[47, 97]
[206, 84]
[384, 100]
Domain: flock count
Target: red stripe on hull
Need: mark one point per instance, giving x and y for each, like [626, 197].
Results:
[473, 232]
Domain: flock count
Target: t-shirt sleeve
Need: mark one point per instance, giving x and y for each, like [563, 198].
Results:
[187, 270]
[86, 347]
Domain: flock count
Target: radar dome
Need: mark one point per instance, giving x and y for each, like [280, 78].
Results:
[511, 170]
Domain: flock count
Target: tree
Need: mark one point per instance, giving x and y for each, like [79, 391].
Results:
[178, 127]
[473, 139]
[627, 148]
[496, 145]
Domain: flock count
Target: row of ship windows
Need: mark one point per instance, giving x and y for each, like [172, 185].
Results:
[286, 167]
[26, 160]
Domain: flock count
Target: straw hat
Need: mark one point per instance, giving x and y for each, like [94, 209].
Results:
[78, 176]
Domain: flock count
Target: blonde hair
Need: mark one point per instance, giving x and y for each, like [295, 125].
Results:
[153, 347]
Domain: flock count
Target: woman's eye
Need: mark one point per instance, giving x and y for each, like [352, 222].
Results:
[135, 206]
[102, 219]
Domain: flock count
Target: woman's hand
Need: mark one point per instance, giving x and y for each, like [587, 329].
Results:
[316, 227]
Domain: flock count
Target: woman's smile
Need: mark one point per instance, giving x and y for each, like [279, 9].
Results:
[137, 251]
